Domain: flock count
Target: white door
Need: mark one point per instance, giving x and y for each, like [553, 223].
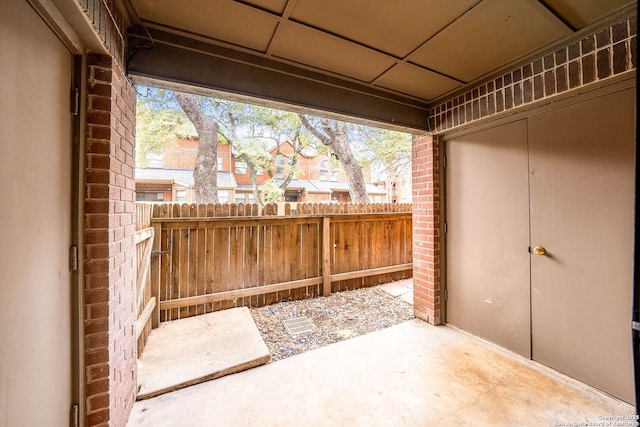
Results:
[35, 221]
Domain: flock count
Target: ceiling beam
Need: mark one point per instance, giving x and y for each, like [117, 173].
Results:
[178, 59]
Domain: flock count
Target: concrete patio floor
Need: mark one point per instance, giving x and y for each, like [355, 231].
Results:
[412, 374]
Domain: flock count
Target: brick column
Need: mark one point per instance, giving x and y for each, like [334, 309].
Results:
[110, 312]
[426, 228]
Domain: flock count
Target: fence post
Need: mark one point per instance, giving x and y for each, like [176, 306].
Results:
[155, 278]
[326, 256]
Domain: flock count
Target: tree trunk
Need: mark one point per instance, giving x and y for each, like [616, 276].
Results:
[205, 173]
[336, 137]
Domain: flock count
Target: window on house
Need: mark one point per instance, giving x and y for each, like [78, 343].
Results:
[291, 196]
[181, 195]
[223, 196]
[281, 161]
[219, 163]
[150, 196]
[245, 197]
[154, 160]
[323, 168]
[241, 167]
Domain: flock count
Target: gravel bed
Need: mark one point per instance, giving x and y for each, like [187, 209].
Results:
[335, 318]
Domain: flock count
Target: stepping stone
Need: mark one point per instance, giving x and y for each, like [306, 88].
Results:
[189, 351]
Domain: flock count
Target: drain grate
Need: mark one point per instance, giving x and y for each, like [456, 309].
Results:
[298, 325]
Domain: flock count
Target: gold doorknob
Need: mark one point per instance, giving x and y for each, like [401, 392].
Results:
[539, 250]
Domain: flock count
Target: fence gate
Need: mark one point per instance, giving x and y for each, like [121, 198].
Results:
[145, 301]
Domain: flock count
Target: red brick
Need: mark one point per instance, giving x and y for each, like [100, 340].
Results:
[96, 206]
[99, 132]
[588, 69]
[603, 63]
[619, 32]
[96, 357]
[99, 417]
[102, 74]
[100, 401]
[96, 266]
[100, 60]
[574, 74]
[588, 44]
[98, 147]
[99, 89]
[95, 296]
[603, 38]
[99, 117]
[96, 237]
[549, 83]
[97, 176]
[561, 79]
[94, 252]
[619, 57]
[93, 326]
[97, 102]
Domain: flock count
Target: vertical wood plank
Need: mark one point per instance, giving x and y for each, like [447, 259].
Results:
[267, 263]
[326, 256]
[183, 262]
[201, 258]
[156, 274]
[279, 259]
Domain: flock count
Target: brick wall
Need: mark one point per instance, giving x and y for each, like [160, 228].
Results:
[109, 23]
[596, 57]
[426, 228]
[110, 346]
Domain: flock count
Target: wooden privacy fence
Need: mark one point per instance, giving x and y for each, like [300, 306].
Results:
[145, 300]
[212, 257]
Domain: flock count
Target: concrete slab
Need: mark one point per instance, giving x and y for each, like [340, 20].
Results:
[412, 374]
[189, 351]
[396, 289]
[408, 297]
[402, 289]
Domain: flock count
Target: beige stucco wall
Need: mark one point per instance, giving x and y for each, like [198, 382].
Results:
[35, 172]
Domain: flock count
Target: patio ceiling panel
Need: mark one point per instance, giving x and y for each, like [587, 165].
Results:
[395, 27]
[275, 6]
[494, 32]
[410, 79]
[378, 60]
[221, 20]
[329, 53]
[579, 13]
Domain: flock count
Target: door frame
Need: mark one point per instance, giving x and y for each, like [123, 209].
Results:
[79, 98]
